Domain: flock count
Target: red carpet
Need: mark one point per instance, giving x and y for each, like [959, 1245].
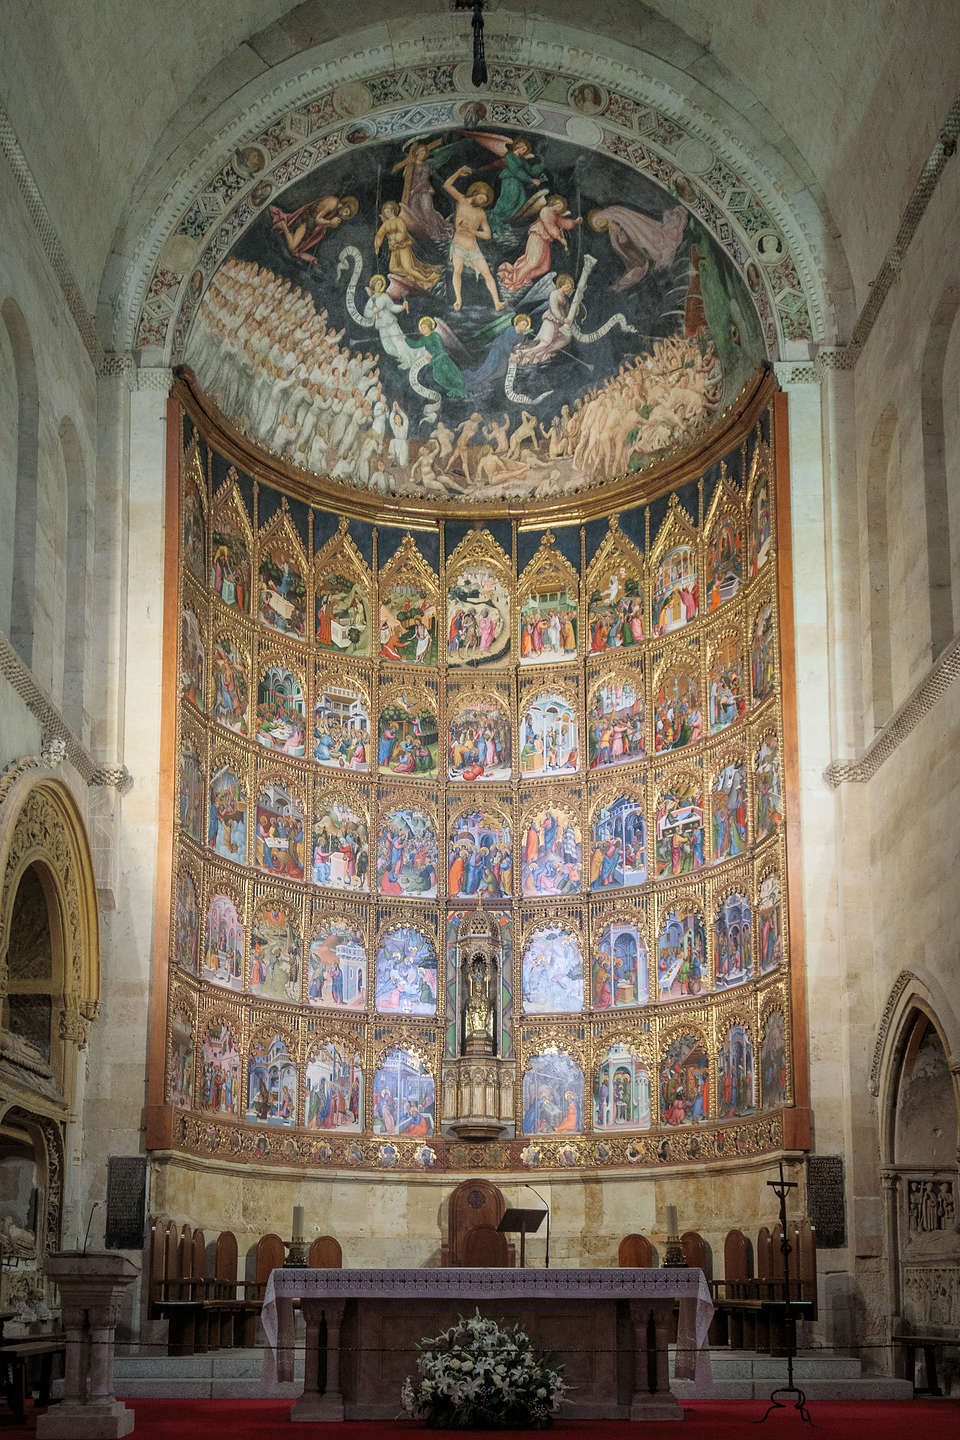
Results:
[704, 1420]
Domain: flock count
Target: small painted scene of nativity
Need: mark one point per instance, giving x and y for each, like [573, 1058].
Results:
[474, 316]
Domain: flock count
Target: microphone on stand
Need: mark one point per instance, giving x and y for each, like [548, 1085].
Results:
[543, 1202]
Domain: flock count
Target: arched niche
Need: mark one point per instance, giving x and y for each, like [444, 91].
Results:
[915, 1073]
[49, 935]
[31, 1201]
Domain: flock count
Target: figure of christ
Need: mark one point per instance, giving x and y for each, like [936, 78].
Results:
[550, 225]
[403, 262]
[471, 226]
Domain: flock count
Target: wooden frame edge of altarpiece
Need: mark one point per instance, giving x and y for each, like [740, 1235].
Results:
[158, 1116]
[796, 1118]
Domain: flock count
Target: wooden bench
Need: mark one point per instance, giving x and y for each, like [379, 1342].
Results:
[221, 1311]
[16, 1356]
[751, 1311]
[929, 1344]
[176, 1292]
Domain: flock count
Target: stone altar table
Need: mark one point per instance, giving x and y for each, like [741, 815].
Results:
[609, 1328]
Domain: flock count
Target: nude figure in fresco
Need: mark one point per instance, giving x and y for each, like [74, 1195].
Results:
[471, 227]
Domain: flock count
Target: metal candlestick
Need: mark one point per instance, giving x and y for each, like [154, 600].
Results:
[296, 1254]
[674, 1258]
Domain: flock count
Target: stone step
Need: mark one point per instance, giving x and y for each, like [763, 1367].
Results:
[217, 1375]
[748, 1365]
[866, 1387]
[822, 1375]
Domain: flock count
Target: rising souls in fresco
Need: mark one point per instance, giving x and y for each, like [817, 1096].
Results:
[474, 314]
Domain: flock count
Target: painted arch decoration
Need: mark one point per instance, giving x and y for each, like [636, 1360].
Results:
[190, 233]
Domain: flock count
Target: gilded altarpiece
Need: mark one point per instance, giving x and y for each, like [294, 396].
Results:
[580, 730]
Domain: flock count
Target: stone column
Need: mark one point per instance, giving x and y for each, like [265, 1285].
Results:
[91, 1285]
[314, 1403]
[652, 1397]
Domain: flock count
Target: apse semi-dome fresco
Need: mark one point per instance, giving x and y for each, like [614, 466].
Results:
[474, 316]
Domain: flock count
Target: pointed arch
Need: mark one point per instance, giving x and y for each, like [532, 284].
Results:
[24, 560]
[913, 998]
[884, 451]
[41, 828]
[938, 471]
[75, 598]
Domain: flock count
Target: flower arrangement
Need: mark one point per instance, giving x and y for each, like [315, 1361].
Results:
[478, 1376]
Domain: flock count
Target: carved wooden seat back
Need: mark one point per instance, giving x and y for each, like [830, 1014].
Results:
[185, 1263]
[636, 1253]
[736, 1264]
[696, 1252]
[198, 1266]
[764, 1261]
[776, 1241]
[158, 1259]
[225, 1266]
[271, 1254]
[485, 1248]
[472, 1204]
[171, 1286]
[325, 1254]
[803, 1263]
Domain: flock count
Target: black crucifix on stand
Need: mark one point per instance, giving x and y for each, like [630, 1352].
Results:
[780, 1188]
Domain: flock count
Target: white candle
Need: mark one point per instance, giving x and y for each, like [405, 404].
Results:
[298, 1222]
[671, 1220]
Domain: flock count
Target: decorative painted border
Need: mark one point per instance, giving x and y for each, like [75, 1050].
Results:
[634, 127]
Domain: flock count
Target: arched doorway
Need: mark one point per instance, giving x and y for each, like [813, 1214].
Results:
[920, 1134]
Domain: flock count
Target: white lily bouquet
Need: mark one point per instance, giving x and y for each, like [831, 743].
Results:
[479, 1376]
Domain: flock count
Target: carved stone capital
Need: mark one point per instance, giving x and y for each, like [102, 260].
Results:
[118, 365]
[154, 377]
[73, 1028]
[836, 357]
[795, 372]
[53, 750]
[116, 775]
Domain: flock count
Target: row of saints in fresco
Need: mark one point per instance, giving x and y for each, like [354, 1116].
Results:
[474, 315]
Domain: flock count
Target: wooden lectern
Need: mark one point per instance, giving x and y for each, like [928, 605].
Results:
[527, 1222]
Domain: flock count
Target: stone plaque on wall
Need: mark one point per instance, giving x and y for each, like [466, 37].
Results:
[825, 1200]
[126, 1201]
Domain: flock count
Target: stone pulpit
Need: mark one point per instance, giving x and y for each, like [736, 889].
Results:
[91, 1285]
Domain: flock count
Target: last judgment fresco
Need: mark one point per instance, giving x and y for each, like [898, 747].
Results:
[607, 800]
[473, 316]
